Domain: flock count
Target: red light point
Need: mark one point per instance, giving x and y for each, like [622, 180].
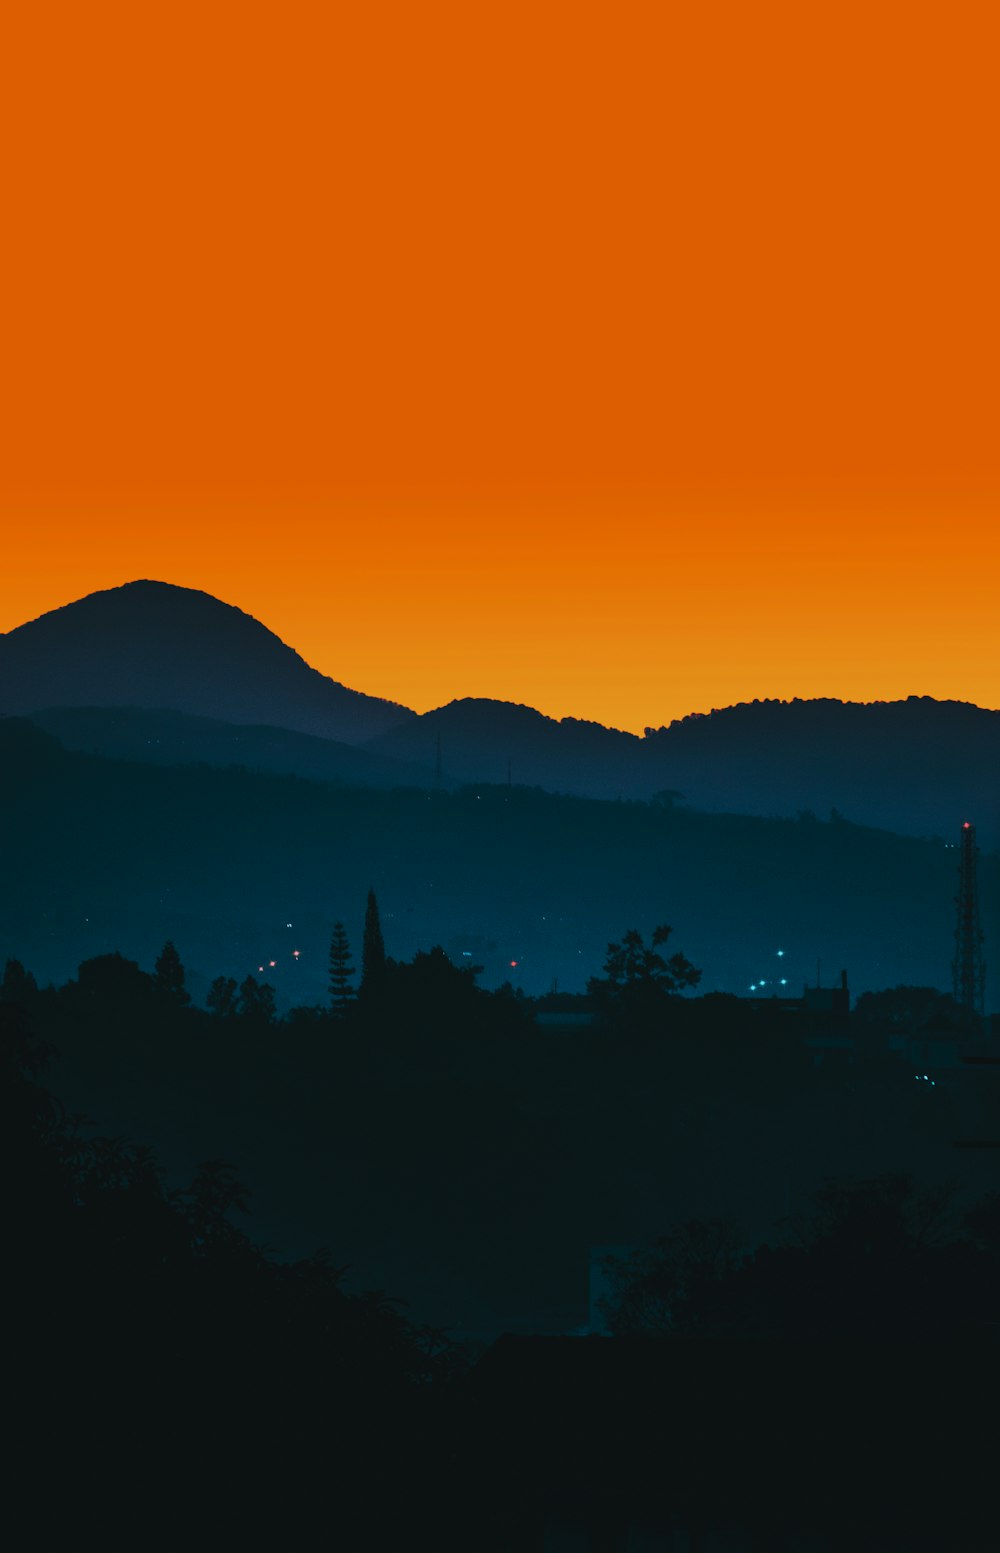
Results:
[966, 825]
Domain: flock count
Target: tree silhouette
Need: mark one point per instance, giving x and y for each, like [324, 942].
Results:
[113, 981]
[168, 977]
[223, 997]
[372, 949]
[341, 970]
[908, 1009]
[654, 1290]
[196, 1355]
[214, 1193]
[257, 1001]
[867, 1259]
[638, 978]
[18, 985]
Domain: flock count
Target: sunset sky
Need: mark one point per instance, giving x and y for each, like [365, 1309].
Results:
[625, 360]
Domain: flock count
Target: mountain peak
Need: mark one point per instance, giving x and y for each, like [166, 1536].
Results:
[155, 644]
[145, 599]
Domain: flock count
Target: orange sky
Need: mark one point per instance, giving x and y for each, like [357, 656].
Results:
[626, 361]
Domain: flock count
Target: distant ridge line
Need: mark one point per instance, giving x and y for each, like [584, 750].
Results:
[908, 765]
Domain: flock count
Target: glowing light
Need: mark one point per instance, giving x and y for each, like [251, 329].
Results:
[784, 981]
[513, 964]
[966, 825]
[781, 953]
[272, 962]
[296, 953]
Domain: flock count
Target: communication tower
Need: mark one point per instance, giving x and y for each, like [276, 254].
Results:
[968, 967]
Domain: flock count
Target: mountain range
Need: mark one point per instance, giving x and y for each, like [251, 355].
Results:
[154, 672]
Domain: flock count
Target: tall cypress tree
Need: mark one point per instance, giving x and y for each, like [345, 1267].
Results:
[341, 970]
[372, 949]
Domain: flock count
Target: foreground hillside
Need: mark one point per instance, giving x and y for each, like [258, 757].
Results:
[449, 1148]
[778, 1396]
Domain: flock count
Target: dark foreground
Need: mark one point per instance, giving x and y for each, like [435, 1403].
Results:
[169, 1384]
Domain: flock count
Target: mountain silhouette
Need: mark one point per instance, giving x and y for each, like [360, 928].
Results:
[482, 740]
[919, 766]
[916, 766]
[150, 644]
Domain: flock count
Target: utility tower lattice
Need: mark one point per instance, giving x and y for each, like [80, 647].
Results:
[968, 967]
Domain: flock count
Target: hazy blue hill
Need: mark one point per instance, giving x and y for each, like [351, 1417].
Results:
[167, 738]
[480, 738]
[27, 751]
[150, 644]
[920, 766]
[100, 855]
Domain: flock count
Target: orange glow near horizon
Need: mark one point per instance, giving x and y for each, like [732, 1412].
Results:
[622, 362]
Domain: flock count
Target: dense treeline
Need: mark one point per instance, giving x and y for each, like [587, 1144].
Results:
[170, 1384]
[455, 1148]
[178, 1385]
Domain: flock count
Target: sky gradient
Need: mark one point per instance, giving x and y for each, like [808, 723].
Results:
[625, 362]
